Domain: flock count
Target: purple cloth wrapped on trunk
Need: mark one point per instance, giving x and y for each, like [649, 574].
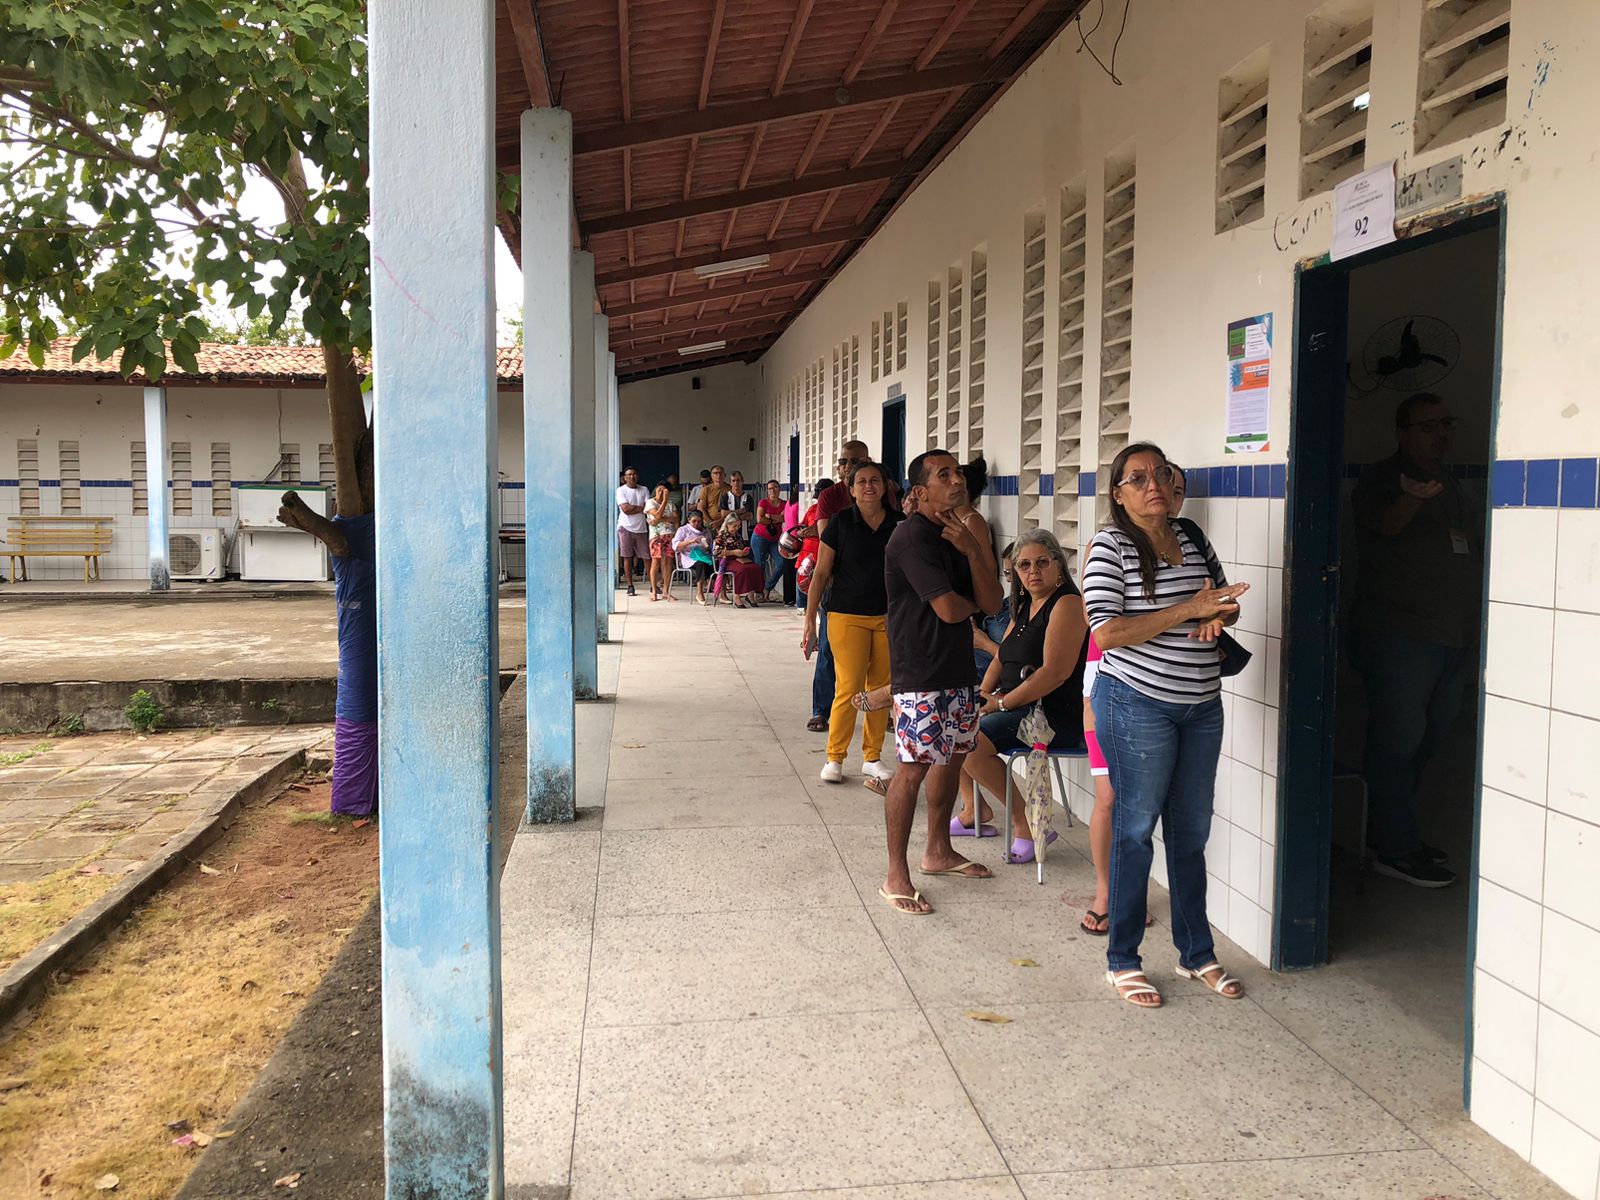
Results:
[355, 767]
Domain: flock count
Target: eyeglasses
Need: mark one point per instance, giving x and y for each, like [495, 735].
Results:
[851, 462]
[1434, 425]
[1139, 480]
[1027, 566]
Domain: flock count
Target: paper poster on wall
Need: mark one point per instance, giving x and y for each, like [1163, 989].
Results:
[1249, 385]
[1363, 212]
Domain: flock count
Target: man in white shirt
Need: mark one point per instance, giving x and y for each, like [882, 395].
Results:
[633, 535]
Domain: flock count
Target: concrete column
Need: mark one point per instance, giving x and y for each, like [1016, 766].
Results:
[612, 472]
[156, 452]
[605, 481]
[433, 311]
[585, 634]
[547, 403]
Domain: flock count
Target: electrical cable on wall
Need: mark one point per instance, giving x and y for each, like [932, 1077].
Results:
[1083, 39]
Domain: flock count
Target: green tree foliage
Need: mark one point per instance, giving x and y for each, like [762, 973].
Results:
[128, 131]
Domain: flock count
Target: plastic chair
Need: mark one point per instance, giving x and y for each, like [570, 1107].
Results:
[1055, 756]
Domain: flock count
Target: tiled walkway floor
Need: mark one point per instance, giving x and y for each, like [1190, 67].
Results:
[705, 997]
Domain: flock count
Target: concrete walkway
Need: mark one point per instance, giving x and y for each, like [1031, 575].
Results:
[705, 997]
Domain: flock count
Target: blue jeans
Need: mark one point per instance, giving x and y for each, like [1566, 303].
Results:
[1414, 691]
[765, 553]
[822, 674]
[1163, 760]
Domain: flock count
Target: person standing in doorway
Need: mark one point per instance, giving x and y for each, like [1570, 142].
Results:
[936, 577]
[1416, 612]
[633, 531]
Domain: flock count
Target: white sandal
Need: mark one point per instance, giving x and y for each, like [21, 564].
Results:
[1127, 989]
[1222, 983]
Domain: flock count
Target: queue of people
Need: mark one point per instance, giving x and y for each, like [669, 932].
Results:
[1128, 671]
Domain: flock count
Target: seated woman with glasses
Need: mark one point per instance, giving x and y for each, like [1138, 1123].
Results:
[1040, 662]
[734, 560]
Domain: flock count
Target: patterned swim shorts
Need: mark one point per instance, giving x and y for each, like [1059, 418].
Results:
[933, 727]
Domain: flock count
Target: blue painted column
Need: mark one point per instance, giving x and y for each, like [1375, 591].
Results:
[613, 472]
[432, 173]
[604, 480]
[156, 450]
[585, 656]
[547, 378]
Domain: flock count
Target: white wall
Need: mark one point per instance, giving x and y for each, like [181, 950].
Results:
[709, 426]
[1537, 985]
[105, 419]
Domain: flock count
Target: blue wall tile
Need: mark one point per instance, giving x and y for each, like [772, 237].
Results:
[1230, 481]
[1247, 481]
[1263, 480]
[1544, 483]
[1510, 481]
[1199, 481]
[1086, 483]
[1047, 485]
[1278, 485]
[1578, 483]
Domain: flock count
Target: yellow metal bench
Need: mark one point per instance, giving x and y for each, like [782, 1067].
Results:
[57, 537]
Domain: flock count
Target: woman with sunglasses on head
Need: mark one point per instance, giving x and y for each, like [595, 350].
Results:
[1157, 602]
[1039, 662]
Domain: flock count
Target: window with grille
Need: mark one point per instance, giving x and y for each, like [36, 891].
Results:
[140, 478]
[855, 386]
[1242, 143]
[902, 329]
[1335, 96]
[877, 350]
[221, 479]
[28, 475]
[1073, 268]
[182, 480]
[838, 394]
[1466, 56]
[954, 308]
[1116, 311]
[67, 468]
[289, 462]
[888, 344]
[977, 349]
[935, 363]
[1030, 469]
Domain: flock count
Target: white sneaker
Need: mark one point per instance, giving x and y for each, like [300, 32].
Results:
[877, 770]
[832, 772]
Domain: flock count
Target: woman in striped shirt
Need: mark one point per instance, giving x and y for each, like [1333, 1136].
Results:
[1157, 601]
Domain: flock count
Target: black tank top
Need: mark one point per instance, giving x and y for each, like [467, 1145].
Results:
[1022, 653]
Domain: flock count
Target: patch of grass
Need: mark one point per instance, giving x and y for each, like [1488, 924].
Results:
[22, 756]
[175, 1015]
[31, 912]
[71, 725]
[143, 713]
[328, 820]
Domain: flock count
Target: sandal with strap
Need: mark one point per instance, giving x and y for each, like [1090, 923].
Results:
[1224, 980]
[1091, 921]
[1128, 988]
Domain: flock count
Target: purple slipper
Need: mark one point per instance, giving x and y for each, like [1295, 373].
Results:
[1022, 848]
[957, 829]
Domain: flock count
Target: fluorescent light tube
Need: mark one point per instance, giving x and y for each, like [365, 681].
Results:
[734, 266]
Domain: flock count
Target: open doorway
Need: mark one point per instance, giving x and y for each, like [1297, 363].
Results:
[1396, 376]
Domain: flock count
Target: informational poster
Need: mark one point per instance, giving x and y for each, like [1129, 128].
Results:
[1363, 212]
[1249, 384]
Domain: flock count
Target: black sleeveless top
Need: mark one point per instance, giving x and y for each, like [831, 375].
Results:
[1022, 653]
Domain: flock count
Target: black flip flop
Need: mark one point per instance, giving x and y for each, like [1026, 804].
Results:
[818, 725]
[1096, 918]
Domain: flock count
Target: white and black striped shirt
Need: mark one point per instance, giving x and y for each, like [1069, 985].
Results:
[1172, 666]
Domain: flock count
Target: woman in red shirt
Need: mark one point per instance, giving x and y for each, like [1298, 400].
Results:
[764, 537]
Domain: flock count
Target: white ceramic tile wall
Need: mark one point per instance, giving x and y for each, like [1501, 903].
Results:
[1538, 929]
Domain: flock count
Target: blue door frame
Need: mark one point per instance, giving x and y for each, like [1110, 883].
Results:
[1310, 649]
[894, 440]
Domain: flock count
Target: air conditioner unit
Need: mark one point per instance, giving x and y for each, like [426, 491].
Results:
[196, 554]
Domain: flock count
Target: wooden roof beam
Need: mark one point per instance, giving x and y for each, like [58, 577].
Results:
[715, 321]
[688, 262]
[797, 28]
[719, 118]
[676, 364]
[668, 353]
[1018, 23]
[723, 201]
[530, 51]
[734, 289]
[711, 53]
[944, 32]
[870, 42]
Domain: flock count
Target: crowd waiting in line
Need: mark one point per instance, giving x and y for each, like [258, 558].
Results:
[911, 614]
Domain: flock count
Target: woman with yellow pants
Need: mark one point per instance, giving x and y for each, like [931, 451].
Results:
[849, 573]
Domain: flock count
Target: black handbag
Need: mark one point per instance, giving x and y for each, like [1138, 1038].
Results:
[1231, 656]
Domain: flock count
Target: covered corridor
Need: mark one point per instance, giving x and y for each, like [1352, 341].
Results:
[705, 997]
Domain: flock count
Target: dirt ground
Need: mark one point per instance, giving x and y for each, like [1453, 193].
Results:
[153, 1039]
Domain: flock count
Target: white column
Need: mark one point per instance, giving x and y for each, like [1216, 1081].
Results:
[156, 452]
[602, 405]
[547, 378]
[432, 188]
[585, 634]
[612, 472]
